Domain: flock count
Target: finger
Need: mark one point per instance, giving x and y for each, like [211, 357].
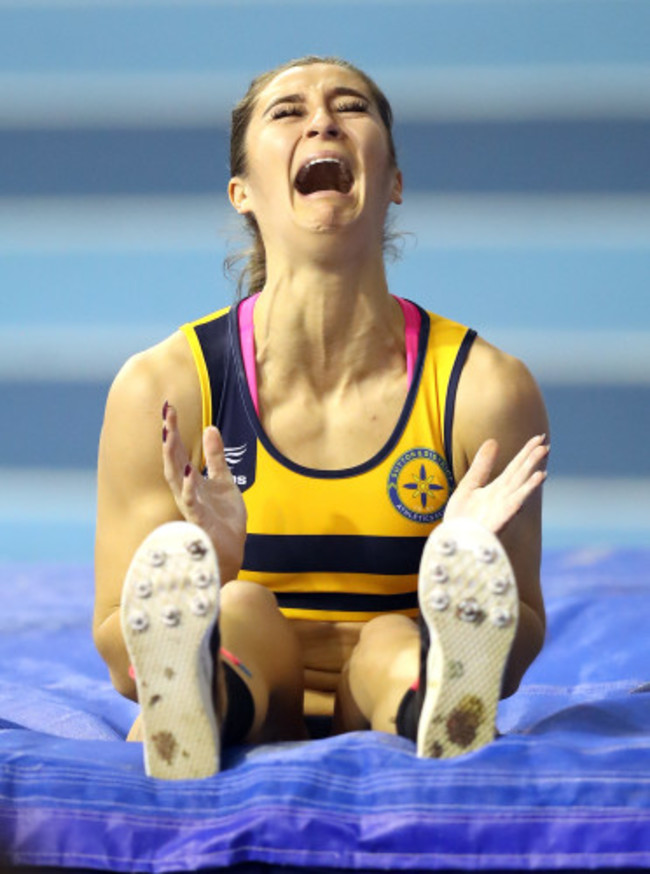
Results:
[213, 451]
[534, 449]
[175, 455]
[520, 498]
[529, 449]
[189, 492]
[527, 460]
[537, 458]
[504, 511]
[482, 465]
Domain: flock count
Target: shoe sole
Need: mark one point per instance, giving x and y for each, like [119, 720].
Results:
[170, 603]
[469, 601]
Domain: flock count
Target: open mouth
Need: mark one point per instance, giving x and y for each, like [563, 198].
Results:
[324, 174]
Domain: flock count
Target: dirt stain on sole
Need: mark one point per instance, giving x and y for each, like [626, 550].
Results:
[166, 745]
[463, 722]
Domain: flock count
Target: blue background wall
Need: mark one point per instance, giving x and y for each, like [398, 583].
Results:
[523, 130]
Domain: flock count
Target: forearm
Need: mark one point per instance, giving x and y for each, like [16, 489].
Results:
[230, 557]
[526, 646]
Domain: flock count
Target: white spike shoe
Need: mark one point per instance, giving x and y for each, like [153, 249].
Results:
[469, 601]
[170, 603]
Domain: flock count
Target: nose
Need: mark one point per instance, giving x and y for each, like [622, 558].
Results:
[323, 123]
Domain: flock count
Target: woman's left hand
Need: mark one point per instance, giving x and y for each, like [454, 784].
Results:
[494, 504]
[213, 502]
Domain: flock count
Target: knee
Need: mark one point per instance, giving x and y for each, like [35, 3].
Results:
[250, 598]
[381, 628]
[388, 645]
[369, 645]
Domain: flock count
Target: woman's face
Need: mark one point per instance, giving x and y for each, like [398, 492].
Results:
[317, 158]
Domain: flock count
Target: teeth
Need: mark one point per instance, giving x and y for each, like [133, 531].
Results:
[323, 161]
[310, 179]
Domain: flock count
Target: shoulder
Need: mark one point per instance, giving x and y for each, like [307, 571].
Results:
[167, 363]
[497, 378]
[162, 372]
[499, 398]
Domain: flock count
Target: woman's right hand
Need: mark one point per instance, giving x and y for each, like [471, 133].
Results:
[213, 502]
[495, 502]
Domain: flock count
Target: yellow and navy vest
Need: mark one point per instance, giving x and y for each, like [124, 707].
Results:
[343, 544]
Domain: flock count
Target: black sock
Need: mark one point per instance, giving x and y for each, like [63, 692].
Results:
[408, 715]
[241, 709]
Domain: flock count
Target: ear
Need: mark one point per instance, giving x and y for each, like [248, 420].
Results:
[238, 195]
[398, 187]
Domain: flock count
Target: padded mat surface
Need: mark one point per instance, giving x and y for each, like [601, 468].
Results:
[567, 785]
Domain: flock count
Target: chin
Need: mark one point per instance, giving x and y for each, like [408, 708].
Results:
[336, 230]
[326, 215]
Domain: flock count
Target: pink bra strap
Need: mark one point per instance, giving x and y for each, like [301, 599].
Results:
[247, 342]
[412, 321]
[247, 339]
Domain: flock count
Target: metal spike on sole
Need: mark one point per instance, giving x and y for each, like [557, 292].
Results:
[469, 601]
[170, 603]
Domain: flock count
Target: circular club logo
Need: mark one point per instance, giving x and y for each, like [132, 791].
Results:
[419, 485]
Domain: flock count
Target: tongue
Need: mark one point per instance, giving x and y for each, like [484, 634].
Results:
[324, 176]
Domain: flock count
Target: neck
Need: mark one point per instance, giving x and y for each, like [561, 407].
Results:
[326, 326]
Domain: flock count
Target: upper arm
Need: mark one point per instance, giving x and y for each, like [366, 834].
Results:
[132, 494]
[498, 398]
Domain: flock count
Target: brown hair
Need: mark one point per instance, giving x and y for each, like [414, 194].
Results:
[252, 276]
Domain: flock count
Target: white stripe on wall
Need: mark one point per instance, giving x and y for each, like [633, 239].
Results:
[429, 93]
[187, 223]
[558, 221]
[115, 223]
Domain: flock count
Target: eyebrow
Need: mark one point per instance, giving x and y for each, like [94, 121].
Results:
[340, 91]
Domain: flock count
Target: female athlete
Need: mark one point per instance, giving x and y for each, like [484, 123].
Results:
[323, 501]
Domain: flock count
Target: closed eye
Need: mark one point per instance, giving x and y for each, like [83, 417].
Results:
[352, 106]
[286, 111]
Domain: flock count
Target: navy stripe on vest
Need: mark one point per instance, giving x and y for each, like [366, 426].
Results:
[450, 402]
[332, 553]
[214, 339]
[344, 602]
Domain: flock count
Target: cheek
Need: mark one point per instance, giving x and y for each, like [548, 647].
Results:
[268, 165]
[382, 170]
[377, 151]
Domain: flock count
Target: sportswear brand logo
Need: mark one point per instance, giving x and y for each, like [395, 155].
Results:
[234, 454]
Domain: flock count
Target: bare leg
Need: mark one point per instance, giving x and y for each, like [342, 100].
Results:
[383, 665]
[254, 630]
[263, 641]
[469, 602]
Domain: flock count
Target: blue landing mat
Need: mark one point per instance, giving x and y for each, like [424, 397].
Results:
[567, 785]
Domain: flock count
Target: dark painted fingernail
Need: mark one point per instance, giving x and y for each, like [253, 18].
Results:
[188, 469]
[165, 408]
[164, 435]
